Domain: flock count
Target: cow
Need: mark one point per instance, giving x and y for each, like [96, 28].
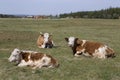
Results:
[32, 59]
[89, 48]
[45, 40]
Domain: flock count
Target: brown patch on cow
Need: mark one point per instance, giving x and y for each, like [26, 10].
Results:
[36, 56]
[25, 55]
[79, 48]
[40, 40]
[89, 46]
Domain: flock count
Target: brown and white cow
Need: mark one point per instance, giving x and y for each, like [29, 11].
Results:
[32, 59]
[89, 48]
[45, 40]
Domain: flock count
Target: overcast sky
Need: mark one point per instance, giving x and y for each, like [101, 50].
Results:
[47, 7]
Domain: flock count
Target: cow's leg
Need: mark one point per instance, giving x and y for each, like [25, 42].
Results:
[22, 64]
[80, 52]
[34, 67]
[99, 55]
[77, 54]
[39, 64]
[43, 46]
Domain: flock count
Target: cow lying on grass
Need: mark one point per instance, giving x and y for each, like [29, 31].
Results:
[89, 48]
[45, 41]
[32, 59]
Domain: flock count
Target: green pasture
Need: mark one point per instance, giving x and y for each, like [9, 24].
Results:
[23, 33]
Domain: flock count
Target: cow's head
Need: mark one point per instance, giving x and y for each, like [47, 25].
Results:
[70, 41]
[15, 55]
[45, 40]
[48, 40]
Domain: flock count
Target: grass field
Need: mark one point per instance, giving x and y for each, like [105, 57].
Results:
[23, 33]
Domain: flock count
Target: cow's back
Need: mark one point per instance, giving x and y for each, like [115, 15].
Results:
[90, 46]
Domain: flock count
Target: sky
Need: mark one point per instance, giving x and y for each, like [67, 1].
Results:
[53, 7]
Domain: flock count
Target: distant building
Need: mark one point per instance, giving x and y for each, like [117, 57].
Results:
[29, 16]
[40, 17]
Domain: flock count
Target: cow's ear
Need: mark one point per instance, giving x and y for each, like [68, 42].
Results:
[41, 34]
[66, 39]
[50, 35]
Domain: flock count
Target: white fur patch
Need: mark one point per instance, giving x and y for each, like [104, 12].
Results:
[46, 36]
[71, 41]
[100, 53]
[84, 41]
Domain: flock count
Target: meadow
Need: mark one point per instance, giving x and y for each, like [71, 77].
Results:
[23, 33]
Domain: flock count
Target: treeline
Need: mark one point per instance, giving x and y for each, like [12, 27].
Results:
[7, 16]
[111, 13]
